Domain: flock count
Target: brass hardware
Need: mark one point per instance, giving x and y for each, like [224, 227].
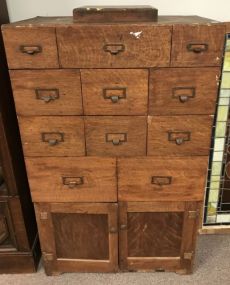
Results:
[73, 182]
[47, 95]
[30, 50]
[48, 256]
[116, 138]
[193, 214]
[53, 138]
[44, 216]
[183, 93]
[197, 47]
[160, 270]
[114, 49]
[114, 94]
[179, 137]
[161, 180]
[188, 255]
[113, 230]
[123, 227]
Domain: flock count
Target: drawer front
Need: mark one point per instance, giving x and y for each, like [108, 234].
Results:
[115, 136]
[197, 45]
[162, 179]
[31, 47]
[115, 91]
[72, 179]
[52, 136]
[179, 135]
[46, 92]
[108, 46]
[188, 91]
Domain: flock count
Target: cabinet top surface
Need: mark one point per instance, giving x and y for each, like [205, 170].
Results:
[68, 21]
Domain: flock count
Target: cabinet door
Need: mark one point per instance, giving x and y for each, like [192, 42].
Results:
[78, 236]
[157, 236]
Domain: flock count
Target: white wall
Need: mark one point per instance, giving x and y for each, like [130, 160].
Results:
[214, 9]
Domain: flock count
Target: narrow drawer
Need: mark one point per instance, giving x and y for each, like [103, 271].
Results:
[115, 91]
[115, 136]
[197, 45]
[162, 179]
[47, 92]
[107, 46]
[179, 135]
[72, 179]
[52, 136]
[30, 47]
[188, 91]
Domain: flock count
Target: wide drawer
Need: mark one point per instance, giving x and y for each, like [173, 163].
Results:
[188, 91]
[72, 179]
[179, 135]
[52, 136]
[197, 45]
[31, 47]
[115, 136]
[47, 92]
[119, 45]
[115, 91]
[162, 179]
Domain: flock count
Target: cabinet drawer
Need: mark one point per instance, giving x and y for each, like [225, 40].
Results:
[162, 179]
[78, 237]
[197, 45]
[31, 47]
[179, 135]
[115, 136]
[187, 91]
[119, 45]
[52, 136]
[115, 91]
[47, 92]
[72, 179]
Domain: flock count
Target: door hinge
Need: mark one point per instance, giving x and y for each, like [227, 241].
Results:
[48, 256]
[188, 255]
[193, 214]
[44, 216]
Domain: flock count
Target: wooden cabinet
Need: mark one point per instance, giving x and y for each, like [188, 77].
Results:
[116, 121]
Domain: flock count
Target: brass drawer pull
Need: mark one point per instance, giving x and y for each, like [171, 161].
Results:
[114, 94]
[197, 47]
[73, 182]
[47, 95]
[30, 50]
[113, 230]
[183, 93]
[179, 137]
[123, 227]
[161, 180]
[53, 138]
[114, 49]
[116, 138]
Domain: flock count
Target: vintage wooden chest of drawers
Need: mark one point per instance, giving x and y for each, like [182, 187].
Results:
[115, 121]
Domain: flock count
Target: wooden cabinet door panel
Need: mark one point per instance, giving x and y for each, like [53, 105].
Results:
[157, 236]
[78, 237]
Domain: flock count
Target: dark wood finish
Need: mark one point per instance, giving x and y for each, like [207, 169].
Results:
[47, 92]
[78, 237]
[87, 179]
[192, 132]
[186, 91]
[115, 92]
[157, 236]
[114, 46]
[207, 42]
[160, 179]
[22, 253]
[101, 14]
[39, 134]
[43, 38]
[123, 140]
